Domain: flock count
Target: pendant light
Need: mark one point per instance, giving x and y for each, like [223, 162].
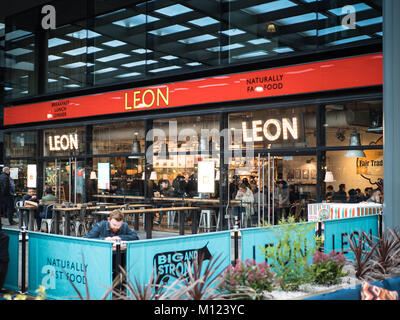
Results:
[329, 177]
[135, 147]
[355, 141]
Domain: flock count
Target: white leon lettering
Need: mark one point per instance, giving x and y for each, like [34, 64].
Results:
[73, 139]
[267, 132]
[292, 128]
[246, 138]
[257, 129]
[273, 130]
[64, 142]
[57, 143]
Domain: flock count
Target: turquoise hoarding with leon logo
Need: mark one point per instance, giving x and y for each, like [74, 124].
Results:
[168, 257]
[59, 263]
[11, 281]
[254, 241]
[337, 232]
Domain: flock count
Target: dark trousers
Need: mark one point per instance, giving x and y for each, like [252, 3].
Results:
[7, 207]
[280, 213]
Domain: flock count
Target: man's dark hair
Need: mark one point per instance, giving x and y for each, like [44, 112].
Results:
[48, 191]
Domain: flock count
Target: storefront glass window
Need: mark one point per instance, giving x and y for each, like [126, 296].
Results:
[263, 174]
[352, 173]
[122, 176]
[69, 57]
[20, 144]
[268, 29]
[100, 42]
[273, 128]
[18, 171]
[120, 49]
[64, 142]
[66, 177]
[19, 61]
[122, 137]
[180, 145]
[363, 118]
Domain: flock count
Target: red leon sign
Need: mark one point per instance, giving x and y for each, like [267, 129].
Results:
[328, 75]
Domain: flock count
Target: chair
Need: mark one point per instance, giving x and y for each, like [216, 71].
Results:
[79, 223]
[171, 217]
[48, 219]
[205, 219]
[23, 219]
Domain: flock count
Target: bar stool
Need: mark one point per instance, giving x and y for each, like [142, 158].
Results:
[205, 219]
[48, 220]
[171, 217]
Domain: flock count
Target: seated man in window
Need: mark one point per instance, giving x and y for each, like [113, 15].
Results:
[112, 229]
[30, 200]
[48, 199]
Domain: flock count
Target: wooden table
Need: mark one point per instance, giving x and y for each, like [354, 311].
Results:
[67, 212]
[118, 196]
[67, 224]
[31, 216]
[149, 218]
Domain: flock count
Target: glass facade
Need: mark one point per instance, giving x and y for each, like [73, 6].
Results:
[64, 142]
[127, 137]
[20, 144]
[106, 42]
[275, 128]
[211, 155]
[363, 118]
[179, 145]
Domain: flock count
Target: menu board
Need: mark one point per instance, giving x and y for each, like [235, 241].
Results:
[103, 181]
[32, 173]
[206, 177]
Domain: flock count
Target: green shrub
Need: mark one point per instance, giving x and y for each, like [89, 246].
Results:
[258, 277]
[327, 268]
[289, 258]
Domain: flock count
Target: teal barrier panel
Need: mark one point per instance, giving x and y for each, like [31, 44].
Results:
[255, 240]
[166, 255]
[53, 258]
[336, 232]
[11, 282]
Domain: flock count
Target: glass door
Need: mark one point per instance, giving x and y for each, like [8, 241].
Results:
[66, 177]
[282, 186]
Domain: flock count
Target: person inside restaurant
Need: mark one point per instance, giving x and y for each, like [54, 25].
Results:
[281, 198]
[45, 206]
[376, 196]
[340, 195]
[30, 199]
[329, 193]
[247, 199]
[368, 193]
[165, 190]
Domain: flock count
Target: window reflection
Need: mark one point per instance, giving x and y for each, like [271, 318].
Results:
[274, 128]
[125, 176]
[363, 118]
[125, 137]
[351, 178]
[179, 145]
[21, 144]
